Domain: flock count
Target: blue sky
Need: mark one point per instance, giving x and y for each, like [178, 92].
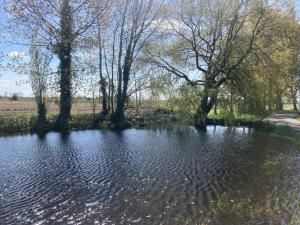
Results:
[11, 82]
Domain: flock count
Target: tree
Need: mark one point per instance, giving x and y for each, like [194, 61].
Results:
[268, 78]
[102, 80]
[40, 71]
[38, 67]
[127, 31]
[135, 34]
[15, 97]
[205, 41]
[61, 24]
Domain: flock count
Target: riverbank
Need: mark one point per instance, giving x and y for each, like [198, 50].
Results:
[24, 122]
[15, 123]
[12, 123]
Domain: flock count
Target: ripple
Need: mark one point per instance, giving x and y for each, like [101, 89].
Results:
[145, 177]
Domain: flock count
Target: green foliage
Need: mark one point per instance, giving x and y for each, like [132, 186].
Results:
[230, 119]
[105, 124]
[187, 99]
[27, 122]
[16, 122]
[268, 77]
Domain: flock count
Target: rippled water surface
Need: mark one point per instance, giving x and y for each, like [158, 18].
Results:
[222, 176]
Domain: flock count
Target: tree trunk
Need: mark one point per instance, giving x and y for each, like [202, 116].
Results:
[279, 104]
[295, 104]
[65, 89]
[206, 104]
[64, 53]
[119, 117]
[119, 113]
[42, 114]
[104, 96]
[102, 80]
[270, 96]
[294, 99]
[109, 96]
[216, 108]
[42, 109]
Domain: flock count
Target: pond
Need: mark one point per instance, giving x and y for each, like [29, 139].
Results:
[143, 176]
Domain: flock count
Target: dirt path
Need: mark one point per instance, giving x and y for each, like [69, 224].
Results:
[288, 119]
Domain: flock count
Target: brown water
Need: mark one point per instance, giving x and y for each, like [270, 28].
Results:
[222, 176]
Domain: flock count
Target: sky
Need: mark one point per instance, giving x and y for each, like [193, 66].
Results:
[11, 82]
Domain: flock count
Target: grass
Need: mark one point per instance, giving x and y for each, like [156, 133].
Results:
[24, 122]
[234, 119]
[19, 117]
[256, 122]
[29, 105]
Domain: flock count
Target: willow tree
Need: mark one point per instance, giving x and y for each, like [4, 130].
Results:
[270, 77]
[61, 24]
[204, 41]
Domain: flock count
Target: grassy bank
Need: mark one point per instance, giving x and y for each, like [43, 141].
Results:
[233, 120]
[257, 123]
[25, 122]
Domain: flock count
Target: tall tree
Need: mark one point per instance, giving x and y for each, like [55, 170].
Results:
[205, 41]
[102, 80]
[63, 49]
[40, 71]
[135, 34]
[61, 24]
[37, 65]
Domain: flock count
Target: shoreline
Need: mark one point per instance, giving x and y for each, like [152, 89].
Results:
[25, 124]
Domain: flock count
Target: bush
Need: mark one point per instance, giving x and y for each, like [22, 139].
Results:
[15, 97]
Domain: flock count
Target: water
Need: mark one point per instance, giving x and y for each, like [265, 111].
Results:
[223, 176]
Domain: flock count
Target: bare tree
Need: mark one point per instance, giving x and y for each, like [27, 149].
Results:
[102, 80]
[134, 34]
[37, 65]
[40, 71]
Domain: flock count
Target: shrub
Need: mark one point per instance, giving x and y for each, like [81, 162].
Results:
[15, 97]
